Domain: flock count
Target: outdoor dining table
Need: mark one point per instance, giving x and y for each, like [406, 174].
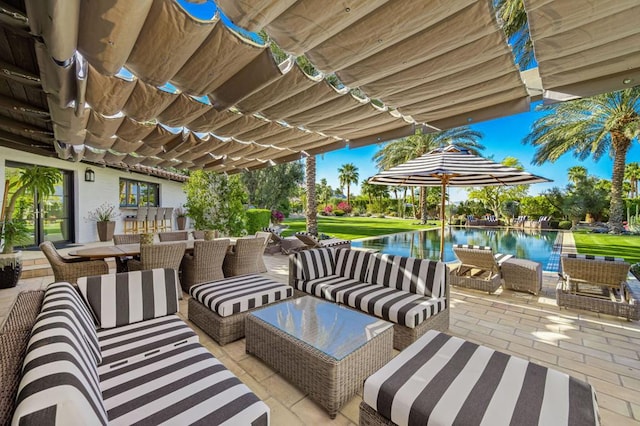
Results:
[122, 250]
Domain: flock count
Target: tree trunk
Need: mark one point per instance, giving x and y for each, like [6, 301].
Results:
[348, 194]
[413, 201]
[616, 209]
[423, 205]
[404, 203]
[311, 212]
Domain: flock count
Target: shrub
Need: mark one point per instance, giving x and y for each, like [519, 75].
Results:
[338, 212]
[344, 206]
[276, 216]
[257, 219]
[356, 211]
[565, 224]
[328, 209]
[393, 214]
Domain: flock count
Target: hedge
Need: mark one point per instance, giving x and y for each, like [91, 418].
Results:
[257, 219]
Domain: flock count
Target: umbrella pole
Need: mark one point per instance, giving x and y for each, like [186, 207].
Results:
[445, 180]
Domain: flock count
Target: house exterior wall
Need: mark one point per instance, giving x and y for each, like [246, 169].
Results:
[89, 195]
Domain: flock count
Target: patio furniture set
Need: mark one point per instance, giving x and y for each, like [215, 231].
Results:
[139, 353]
[481, 269]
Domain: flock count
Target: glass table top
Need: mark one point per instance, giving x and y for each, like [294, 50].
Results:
[330, 328]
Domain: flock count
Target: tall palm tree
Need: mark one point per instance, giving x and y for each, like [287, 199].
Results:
[414, 146]
[347, 175]
[632, 174]
[606, 123]
[311, 212]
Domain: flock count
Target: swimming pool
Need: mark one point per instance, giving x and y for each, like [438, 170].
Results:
[526, 244]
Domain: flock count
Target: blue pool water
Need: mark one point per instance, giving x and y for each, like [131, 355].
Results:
[526, 244]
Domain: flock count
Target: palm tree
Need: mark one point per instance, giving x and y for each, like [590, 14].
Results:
[414, 146]
[632, 174]
[311, 212]
[347, 175]
[513, 18]
[606, 123]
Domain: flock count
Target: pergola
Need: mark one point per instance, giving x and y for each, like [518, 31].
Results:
[170, 84]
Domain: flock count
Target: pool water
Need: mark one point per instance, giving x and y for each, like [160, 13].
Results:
[525, 244]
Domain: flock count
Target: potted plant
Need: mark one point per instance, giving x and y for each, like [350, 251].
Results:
[104, 216]
[14, 231]
[181, 218]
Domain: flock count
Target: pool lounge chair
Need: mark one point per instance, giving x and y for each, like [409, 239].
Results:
[479, 268]
[472, 221]
[286, 245]
[311, 241]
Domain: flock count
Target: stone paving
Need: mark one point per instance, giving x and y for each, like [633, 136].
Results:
[603, 350]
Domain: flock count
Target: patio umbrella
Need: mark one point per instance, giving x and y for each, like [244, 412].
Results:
[453, 166]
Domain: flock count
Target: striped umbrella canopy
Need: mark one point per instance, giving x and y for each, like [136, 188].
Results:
[453, 166]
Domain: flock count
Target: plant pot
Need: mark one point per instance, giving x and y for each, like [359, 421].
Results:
[181, 222]
[105, 230]
[10, 269]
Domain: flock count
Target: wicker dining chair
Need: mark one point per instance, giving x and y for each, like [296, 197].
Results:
[122, 261]
[153, 256]
[266, 236]
[70, 269]
[205, 265]
[244, 259]
[173, 236]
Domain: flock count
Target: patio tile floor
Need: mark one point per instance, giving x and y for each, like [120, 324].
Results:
[603, 350]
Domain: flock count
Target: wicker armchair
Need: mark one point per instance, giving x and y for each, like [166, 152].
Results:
[119, 239]
[153, 256]
[245, 258]
[205, 264]
[173, 236]
[70, 269]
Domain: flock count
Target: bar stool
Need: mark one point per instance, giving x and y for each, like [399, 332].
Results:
[168, 218]
[141, 220]
[160, 219]
[151, 219]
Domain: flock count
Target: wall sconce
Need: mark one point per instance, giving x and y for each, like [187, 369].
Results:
[89, 175]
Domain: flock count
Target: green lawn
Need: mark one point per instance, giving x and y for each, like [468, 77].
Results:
[350, 228]
[626, 246]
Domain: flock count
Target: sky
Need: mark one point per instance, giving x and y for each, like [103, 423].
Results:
[502, 138]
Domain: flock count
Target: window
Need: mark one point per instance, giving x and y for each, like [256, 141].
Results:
[134, 193]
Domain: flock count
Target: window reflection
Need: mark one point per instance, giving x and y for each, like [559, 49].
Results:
[135, 193]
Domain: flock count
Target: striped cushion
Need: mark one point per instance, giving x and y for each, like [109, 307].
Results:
[326, 287]
[123, 345]
[592, 257]
[445, 380]
[63, 296]
[471, 246]
[239, 294]
[185, 385]
[352, 263]
[420, 276]
[59, 380]
[120, 299]
[400, 307]
[312, 264]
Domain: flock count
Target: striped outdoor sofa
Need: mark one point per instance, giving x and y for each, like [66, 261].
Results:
[142, 365]
[411, 293]
[445, 380]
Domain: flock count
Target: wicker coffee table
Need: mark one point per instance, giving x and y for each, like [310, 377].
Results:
[325, 349]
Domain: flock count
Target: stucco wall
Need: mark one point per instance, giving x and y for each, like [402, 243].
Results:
[89, 195]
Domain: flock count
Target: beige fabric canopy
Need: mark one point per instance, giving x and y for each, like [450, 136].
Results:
[148, 83]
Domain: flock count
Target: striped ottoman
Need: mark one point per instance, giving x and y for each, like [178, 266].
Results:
[219, 307]
[444, 380]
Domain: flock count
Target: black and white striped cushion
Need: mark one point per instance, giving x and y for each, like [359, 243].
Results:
[326, 287]
[185, 385]
[352, 264]
[123, 345]
[315, 263]
[397, 306]
[63, 296]
[239, 294]
[441, 379]
[471, 246]
[592, 257]
[59, 379]
[120, 299]
[420, 276]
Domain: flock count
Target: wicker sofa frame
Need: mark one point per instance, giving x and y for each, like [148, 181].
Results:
[402, 336]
